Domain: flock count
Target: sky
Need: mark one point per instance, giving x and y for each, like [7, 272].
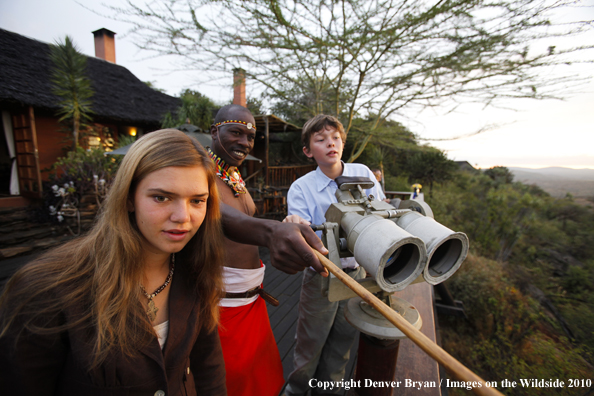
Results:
[530, 134]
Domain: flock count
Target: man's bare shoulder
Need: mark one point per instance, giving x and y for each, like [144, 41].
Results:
[243, 202]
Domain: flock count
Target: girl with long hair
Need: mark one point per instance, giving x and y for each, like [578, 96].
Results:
[131, 308]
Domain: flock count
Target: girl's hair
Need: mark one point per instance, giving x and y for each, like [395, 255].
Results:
[98, 275]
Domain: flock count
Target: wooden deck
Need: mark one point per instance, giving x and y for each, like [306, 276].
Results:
[283, 319]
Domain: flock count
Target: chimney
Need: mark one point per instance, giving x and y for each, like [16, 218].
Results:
[239, 87]
[105, 44]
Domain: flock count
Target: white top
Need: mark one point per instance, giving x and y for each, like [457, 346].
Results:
[239, 280]
[311, 195]
[162, 331]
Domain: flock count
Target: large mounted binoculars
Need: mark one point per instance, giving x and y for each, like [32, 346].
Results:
[397, 245]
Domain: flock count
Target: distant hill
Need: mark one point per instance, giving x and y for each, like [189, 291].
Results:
[558, 181]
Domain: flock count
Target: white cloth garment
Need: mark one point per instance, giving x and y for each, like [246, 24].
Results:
[162, 331]
[239, 280]
[14, 177]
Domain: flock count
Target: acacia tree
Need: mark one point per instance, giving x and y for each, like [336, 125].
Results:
[391, 55]
[307, 101]
[500, 175]
[71, 84]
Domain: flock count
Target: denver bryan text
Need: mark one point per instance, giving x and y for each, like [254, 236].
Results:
[367, 383]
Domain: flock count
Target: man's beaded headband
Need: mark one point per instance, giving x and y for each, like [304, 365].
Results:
[249, 125]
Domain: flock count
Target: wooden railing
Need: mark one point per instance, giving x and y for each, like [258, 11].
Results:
[284, 176]
[399, 194]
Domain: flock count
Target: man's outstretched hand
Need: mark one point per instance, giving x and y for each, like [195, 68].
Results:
[290, 244]
[290, 248]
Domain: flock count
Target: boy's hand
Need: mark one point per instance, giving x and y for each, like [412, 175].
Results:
[291, 248]
[296, 219]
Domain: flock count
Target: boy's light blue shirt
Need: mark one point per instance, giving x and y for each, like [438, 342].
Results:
[311, 195]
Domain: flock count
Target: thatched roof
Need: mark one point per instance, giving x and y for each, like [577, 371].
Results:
[119, 95]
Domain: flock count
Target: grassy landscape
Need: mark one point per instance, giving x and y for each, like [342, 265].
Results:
[558, 181]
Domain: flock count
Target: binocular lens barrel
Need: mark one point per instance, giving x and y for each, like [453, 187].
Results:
[446, 249]
[391, 255]
[445, 257]
[399, 262]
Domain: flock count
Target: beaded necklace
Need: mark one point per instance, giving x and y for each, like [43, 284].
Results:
[152, 308]
[229, 174]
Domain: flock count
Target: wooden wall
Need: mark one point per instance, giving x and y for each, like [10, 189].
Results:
[50, 142]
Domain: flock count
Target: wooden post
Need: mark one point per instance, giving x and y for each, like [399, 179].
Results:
[376, 361]
[267, 149]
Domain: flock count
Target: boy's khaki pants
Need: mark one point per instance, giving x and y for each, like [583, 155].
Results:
[324, 338]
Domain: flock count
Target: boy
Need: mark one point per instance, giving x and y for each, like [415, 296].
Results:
[324, 337]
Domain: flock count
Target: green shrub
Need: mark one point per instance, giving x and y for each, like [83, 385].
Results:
[508, 334]
[397, 183]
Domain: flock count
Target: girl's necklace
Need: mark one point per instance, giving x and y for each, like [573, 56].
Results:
[152, 308]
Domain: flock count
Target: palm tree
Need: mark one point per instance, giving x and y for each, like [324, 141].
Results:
[71, 85]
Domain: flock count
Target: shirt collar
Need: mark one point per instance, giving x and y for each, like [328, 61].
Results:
[323, 181]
